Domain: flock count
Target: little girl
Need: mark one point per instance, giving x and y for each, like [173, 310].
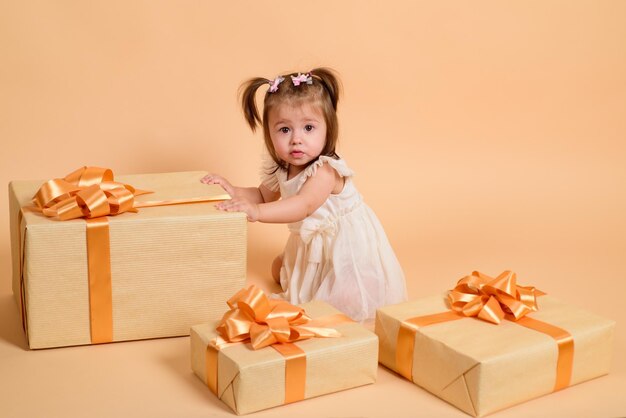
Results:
[337, 251]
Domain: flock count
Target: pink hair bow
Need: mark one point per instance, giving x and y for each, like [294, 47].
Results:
[302, 78]
[274, 84]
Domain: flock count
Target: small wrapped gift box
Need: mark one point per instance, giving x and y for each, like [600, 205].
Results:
[97, 278]
[340, 355]
[512, 351]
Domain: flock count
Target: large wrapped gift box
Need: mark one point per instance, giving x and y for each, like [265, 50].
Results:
[481, 367]
[170, 266]
[249, 380]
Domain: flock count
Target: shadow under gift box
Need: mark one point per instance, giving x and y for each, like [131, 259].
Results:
[251, 380]
[171, 266]
[481, 367]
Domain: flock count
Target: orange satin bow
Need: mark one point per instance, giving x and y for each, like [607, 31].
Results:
[88, 192]
[490, 299]
[263, 321]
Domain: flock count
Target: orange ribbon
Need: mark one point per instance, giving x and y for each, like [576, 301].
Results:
[92, 193]
[491, 300]
[88, 192]
[99, 272]
[263, 322]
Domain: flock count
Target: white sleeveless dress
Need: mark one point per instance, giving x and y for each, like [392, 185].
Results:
[340, 253]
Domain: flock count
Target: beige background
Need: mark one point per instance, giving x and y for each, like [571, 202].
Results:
[486, 135]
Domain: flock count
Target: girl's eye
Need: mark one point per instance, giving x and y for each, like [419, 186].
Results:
[284, 130]
[308, 128]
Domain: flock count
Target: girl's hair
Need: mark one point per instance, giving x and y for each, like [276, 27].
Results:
[323, 90]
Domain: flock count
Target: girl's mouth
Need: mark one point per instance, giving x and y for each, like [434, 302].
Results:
[297, 154]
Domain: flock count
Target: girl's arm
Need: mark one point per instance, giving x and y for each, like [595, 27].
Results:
[312, 195]
[259, 194]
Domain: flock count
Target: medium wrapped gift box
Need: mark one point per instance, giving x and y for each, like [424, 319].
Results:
[482, 367]
[165, 267]
[249, 380]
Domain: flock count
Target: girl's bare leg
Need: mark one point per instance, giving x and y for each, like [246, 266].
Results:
[276, 265]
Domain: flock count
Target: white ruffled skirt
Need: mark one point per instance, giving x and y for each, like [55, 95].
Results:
[347, 262]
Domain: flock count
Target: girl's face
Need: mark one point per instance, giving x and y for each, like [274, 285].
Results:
[298, 133]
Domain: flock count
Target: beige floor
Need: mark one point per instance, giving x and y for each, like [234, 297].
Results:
[153, 378]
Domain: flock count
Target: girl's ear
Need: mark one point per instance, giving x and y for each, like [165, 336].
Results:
[248, 102]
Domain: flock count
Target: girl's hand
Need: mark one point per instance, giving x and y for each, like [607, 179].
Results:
[216, 179]
[240, 205]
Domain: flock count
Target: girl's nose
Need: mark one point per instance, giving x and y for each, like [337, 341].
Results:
[296, 139]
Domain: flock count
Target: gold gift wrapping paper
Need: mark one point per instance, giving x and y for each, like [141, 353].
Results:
[481, 367]
[171, 266]
[251, 380]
